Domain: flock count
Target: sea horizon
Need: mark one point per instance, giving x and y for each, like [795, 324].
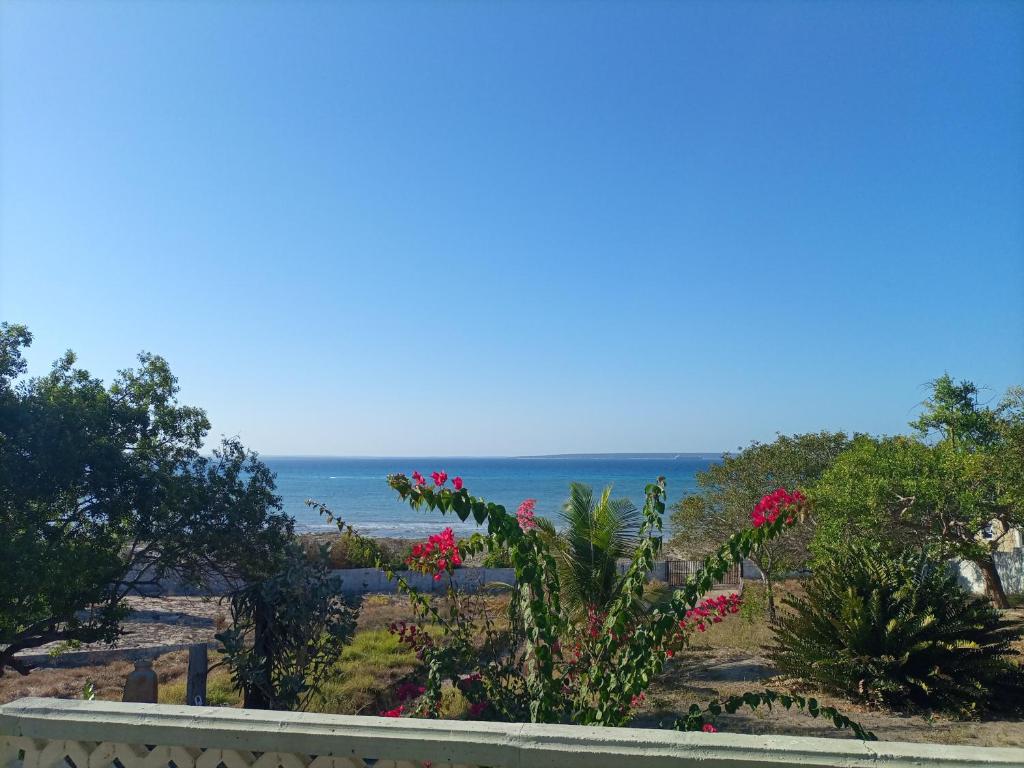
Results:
[355, 488]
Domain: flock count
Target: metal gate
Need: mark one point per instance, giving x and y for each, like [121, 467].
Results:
[680, 571]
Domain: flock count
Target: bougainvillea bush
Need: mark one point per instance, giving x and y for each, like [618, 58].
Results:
[540, 663]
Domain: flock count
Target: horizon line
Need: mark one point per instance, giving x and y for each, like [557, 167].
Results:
[610, 454]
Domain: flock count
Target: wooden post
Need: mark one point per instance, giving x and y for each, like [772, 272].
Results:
[195, 687]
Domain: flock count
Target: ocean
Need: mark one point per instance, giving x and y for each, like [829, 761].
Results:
[356, 490]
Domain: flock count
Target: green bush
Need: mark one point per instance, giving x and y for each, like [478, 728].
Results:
[287, 631]
[896, 630]
[350, 550]
[499, 558]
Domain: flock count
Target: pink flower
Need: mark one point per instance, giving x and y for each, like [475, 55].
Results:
[525, 514]
[409, 691]
[396, 712]
[767, 510]
[709, 728]
[418, 478]
[436, 555]
[457, 482]
[440, 478]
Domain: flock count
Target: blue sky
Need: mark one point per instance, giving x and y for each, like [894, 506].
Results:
[501, 228]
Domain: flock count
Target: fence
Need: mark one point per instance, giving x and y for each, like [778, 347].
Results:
[54, 733]
[678, 572]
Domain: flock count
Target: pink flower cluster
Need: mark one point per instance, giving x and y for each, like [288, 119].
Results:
[408, 690]
[439, 477]
[438, 554]
[771, 506]
[412, 636]
[713, 609]
[709, 728]
[468, 681]
[525, 514]
[396, 712]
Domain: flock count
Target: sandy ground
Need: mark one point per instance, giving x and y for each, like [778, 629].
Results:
[711, 673]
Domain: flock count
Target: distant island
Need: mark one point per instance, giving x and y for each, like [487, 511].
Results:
[620, 456]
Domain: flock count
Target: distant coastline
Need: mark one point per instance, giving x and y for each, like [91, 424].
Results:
[628, 456]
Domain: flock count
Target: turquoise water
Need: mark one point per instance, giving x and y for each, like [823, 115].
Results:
[356, 489]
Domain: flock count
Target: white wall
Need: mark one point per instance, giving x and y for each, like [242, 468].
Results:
[1011, 570]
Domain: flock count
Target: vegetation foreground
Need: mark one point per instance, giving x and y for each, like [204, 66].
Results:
[107, 493]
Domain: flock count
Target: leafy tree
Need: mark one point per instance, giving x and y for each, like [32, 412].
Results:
[896, 629]
[596, 534]
[104, 492]
[957, 487]
[287, 631]
[730, 489]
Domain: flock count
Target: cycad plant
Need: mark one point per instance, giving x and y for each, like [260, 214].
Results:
[895, 629]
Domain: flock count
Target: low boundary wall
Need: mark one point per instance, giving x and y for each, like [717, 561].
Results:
[55, 733]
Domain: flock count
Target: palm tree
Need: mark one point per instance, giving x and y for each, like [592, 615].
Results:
[595, 535]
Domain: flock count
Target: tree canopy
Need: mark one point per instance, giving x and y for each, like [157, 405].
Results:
[729, 490]
[956, 487]
[106, 491]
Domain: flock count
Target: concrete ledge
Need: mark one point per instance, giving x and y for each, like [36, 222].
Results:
[68, 659]
[97, 731]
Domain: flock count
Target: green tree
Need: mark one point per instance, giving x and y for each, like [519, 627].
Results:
[287, 632]
[728, 490]
[105, 491]
[957, 487]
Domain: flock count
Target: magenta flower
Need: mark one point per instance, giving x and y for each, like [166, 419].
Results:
[525, 514]
[457, 482]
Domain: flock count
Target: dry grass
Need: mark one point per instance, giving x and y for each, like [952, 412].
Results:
[728, 659]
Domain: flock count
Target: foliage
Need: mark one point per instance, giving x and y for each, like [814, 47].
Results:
[959, 485]
[349, 549]
[539, 663]
[498, 558]
[728, 490]
[597, 533]
[288, 629]
[896, 629]
[698, 716]
[105, 491]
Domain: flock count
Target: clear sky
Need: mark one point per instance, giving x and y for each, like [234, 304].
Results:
[502, 228]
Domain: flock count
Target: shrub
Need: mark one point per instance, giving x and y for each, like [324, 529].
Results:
[541, 661]
[287, 631]
[896, 629]
[499, 558]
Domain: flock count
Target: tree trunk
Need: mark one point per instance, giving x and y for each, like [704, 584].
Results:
[256, 697]
[769, 595]
[993, 583]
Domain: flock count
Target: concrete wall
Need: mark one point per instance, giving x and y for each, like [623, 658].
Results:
[55, 733]
[364, 581]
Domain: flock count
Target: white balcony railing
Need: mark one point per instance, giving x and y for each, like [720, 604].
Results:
[56, 733]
